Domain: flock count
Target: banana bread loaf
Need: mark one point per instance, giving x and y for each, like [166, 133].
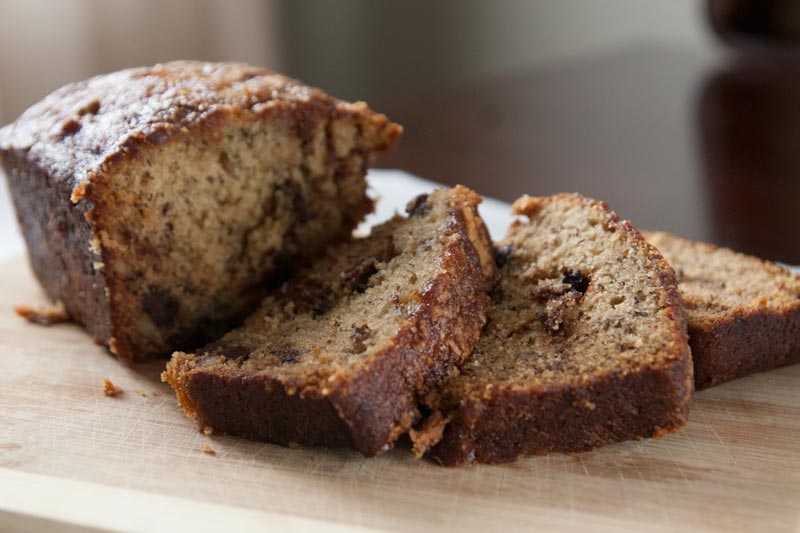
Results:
[337, 355]
[586, 344]
[156, 202]
[743, 312]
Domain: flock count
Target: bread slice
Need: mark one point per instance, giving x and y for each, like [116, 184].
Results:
[336, 356]
[156, 202]
[743, 312]
[585, 346]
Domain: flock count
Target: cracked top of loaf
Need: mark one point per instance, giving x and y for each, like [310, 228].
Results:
[85, 127]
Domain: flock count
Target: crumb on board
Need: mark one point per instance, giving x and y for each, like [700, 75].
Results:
[208, 449]
[110, 389]
[142, 394]
[208, 430]
[429, 434]
[44, 316]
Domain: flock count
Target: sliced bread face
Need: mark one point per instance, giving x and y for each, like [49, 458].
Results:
[337, 356]
[156, 202]
[586, 344]
[743, 312]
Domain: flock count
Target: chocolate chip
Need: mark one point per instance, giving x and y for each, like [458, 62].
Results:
[502, 254]
[70, 127]
[225, 162]
[497, 295]
[301, 210]
[290, 193]
[386, 251]
[360, 334]
[310, 296]
[575, 279]
[287, 354]
[162, 307]
[322, 306]
[230, 351]
[91, 108]
[305, 127]
[356, 278]
[418, 206]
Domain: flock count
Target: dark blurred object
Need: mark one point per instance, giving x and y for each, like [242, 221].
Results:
[618, 126]
[750, 143]
[756, 22]
[629, 127]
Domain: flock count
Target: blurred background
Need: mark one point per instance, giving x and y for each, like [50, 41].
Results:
[681, 114]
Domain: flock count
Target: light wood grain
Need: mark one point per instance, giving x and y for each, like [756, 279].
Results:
[735, 467]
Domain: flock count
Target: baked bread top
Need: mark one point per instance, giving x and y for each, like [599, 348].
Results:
[158, 203]
[85, 127]
[586, 343]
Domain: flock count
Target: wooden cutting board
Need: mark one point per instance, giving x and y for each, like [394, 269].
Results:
[72, 459]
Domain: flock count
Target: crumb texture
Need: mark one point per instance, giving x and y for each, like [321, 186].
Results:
[743, 312]
[44, 316]
[338, 353]
[175, 193]
[587, 326]
[110, 389]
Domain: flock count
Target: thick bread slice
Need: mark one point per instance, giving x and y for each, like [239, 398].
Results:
[157, 202]
[586, 345]
[337, 356]
[743, 312]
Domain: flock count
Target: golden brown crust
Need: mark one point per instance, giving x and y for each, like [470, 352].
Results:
[79, 132]
[372, 406]
[732, 347]
[499, 421]
[732, 335]
[61, 156]
[508, 425]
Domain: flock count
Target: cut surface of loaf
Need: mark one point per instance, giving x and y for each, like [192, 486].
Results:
[155, 202]
[337, 355]
[586, 344]
[743, 312]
